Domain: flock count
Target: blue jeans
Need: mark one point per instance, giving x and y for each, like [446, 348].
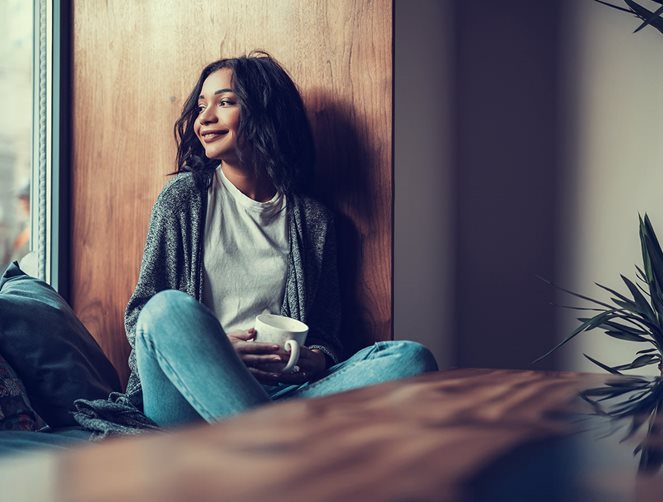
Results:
[190, 372]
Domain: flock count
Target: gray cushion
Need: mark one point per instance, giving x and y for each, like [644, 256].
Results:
[49, 348]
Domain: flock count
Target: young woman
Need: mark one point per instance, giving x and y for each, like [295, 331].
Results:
[231, 236]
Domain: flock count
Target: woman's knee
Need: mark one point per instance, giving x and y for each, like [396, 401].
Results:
[175, 324]
[166, 300]
[419, 358]
[166, 308]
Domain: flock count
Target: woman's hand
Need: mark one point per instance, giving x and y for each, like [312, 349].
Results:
[310, 364]
[254, 354]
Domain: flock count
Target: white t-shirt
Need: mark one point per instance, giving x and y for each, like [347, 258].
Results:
[245, 255]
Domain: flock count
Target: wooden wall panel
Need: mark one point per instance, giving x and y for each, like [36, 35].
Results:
[134, 64]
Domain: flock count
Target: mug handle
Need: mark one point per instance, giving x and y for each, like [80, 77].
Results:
[293, 347]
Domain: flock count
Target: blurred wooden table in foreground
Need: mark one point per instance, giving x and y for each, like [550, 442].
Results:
[465, 434]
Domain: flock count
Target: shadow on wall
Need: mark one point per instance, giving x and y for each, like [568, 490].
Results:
[343, 182]
[508, 173]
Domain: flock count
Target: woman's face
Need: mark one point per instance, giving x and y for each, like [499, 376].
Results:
[218, 117]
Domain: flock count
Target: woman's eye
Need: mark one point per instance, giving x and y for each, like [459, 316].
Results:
[225, 102]
[201, 108]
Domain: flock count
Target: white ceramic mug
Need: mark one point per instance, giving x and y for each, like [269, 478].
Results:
[284, 331]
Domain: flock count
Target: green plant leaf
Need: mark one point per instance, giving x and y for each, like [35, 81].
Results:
[619, 295]
[645, 15]
[625, 336]
[603, 366]
[631, 305]
[578, 295]
[651, 20]
[646, 262]
[618, 326]
[609, 322]
[608, 390]
[652, 259]
[638, 322]
[640, 300]
[639, 362]
[641, 276]
[615, 6]
[586, 325]
[584, 309]
[653, 250]
[642, 326]
[639, 418]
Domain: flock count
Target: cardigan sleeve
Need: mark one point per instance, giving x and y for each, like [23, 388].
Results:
[324, 306]
[163, 259]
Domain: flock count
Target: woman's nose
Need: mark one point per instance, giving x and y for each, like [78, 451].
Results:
[206, 116]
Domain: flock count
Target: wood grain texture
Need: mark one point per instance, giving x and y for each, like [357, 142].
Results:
[134, 64]
[424, 439]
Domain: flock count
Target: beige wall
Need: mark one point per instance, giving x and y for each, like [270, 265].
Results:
[613, 104]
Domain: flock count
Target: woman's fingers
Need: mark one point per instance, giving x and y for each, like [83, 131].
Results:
[245, 335]
[311, 361]
[274, 378]
[254, 347]
[264, 359]
[255, 354]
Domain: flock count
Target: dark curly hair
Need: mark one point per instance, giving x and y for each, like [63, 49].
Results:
[274, 131]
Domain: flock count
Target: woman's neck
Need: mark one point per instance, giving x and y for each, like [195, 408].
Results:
[253, 183]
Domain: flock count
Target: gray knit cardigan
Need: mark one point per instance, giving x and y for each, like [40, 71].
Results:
[173, 259]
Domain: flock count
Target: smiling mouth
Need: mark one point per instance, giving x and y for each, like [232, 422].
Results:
[210, 136]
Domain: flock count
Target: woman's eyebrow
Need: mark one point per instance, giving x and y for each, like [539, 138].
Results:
[220, 91]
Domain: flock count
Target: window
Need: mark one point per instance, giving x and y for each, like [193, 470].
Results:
[16, 91]
[34, 134]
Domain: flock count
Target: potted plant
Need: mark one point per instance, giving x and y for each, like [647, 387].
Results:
[636, 317]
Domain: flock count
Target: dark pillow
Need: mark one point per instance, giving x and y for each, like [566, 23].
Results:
[49, 348]
[16, 414]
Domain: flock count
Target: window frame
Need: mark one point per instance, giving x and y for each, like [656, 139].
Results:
[51, 143]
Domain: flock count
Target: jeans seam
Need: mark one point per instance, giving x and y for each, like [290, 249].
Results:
[186, 393]
[330, 377]
[325, 379]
